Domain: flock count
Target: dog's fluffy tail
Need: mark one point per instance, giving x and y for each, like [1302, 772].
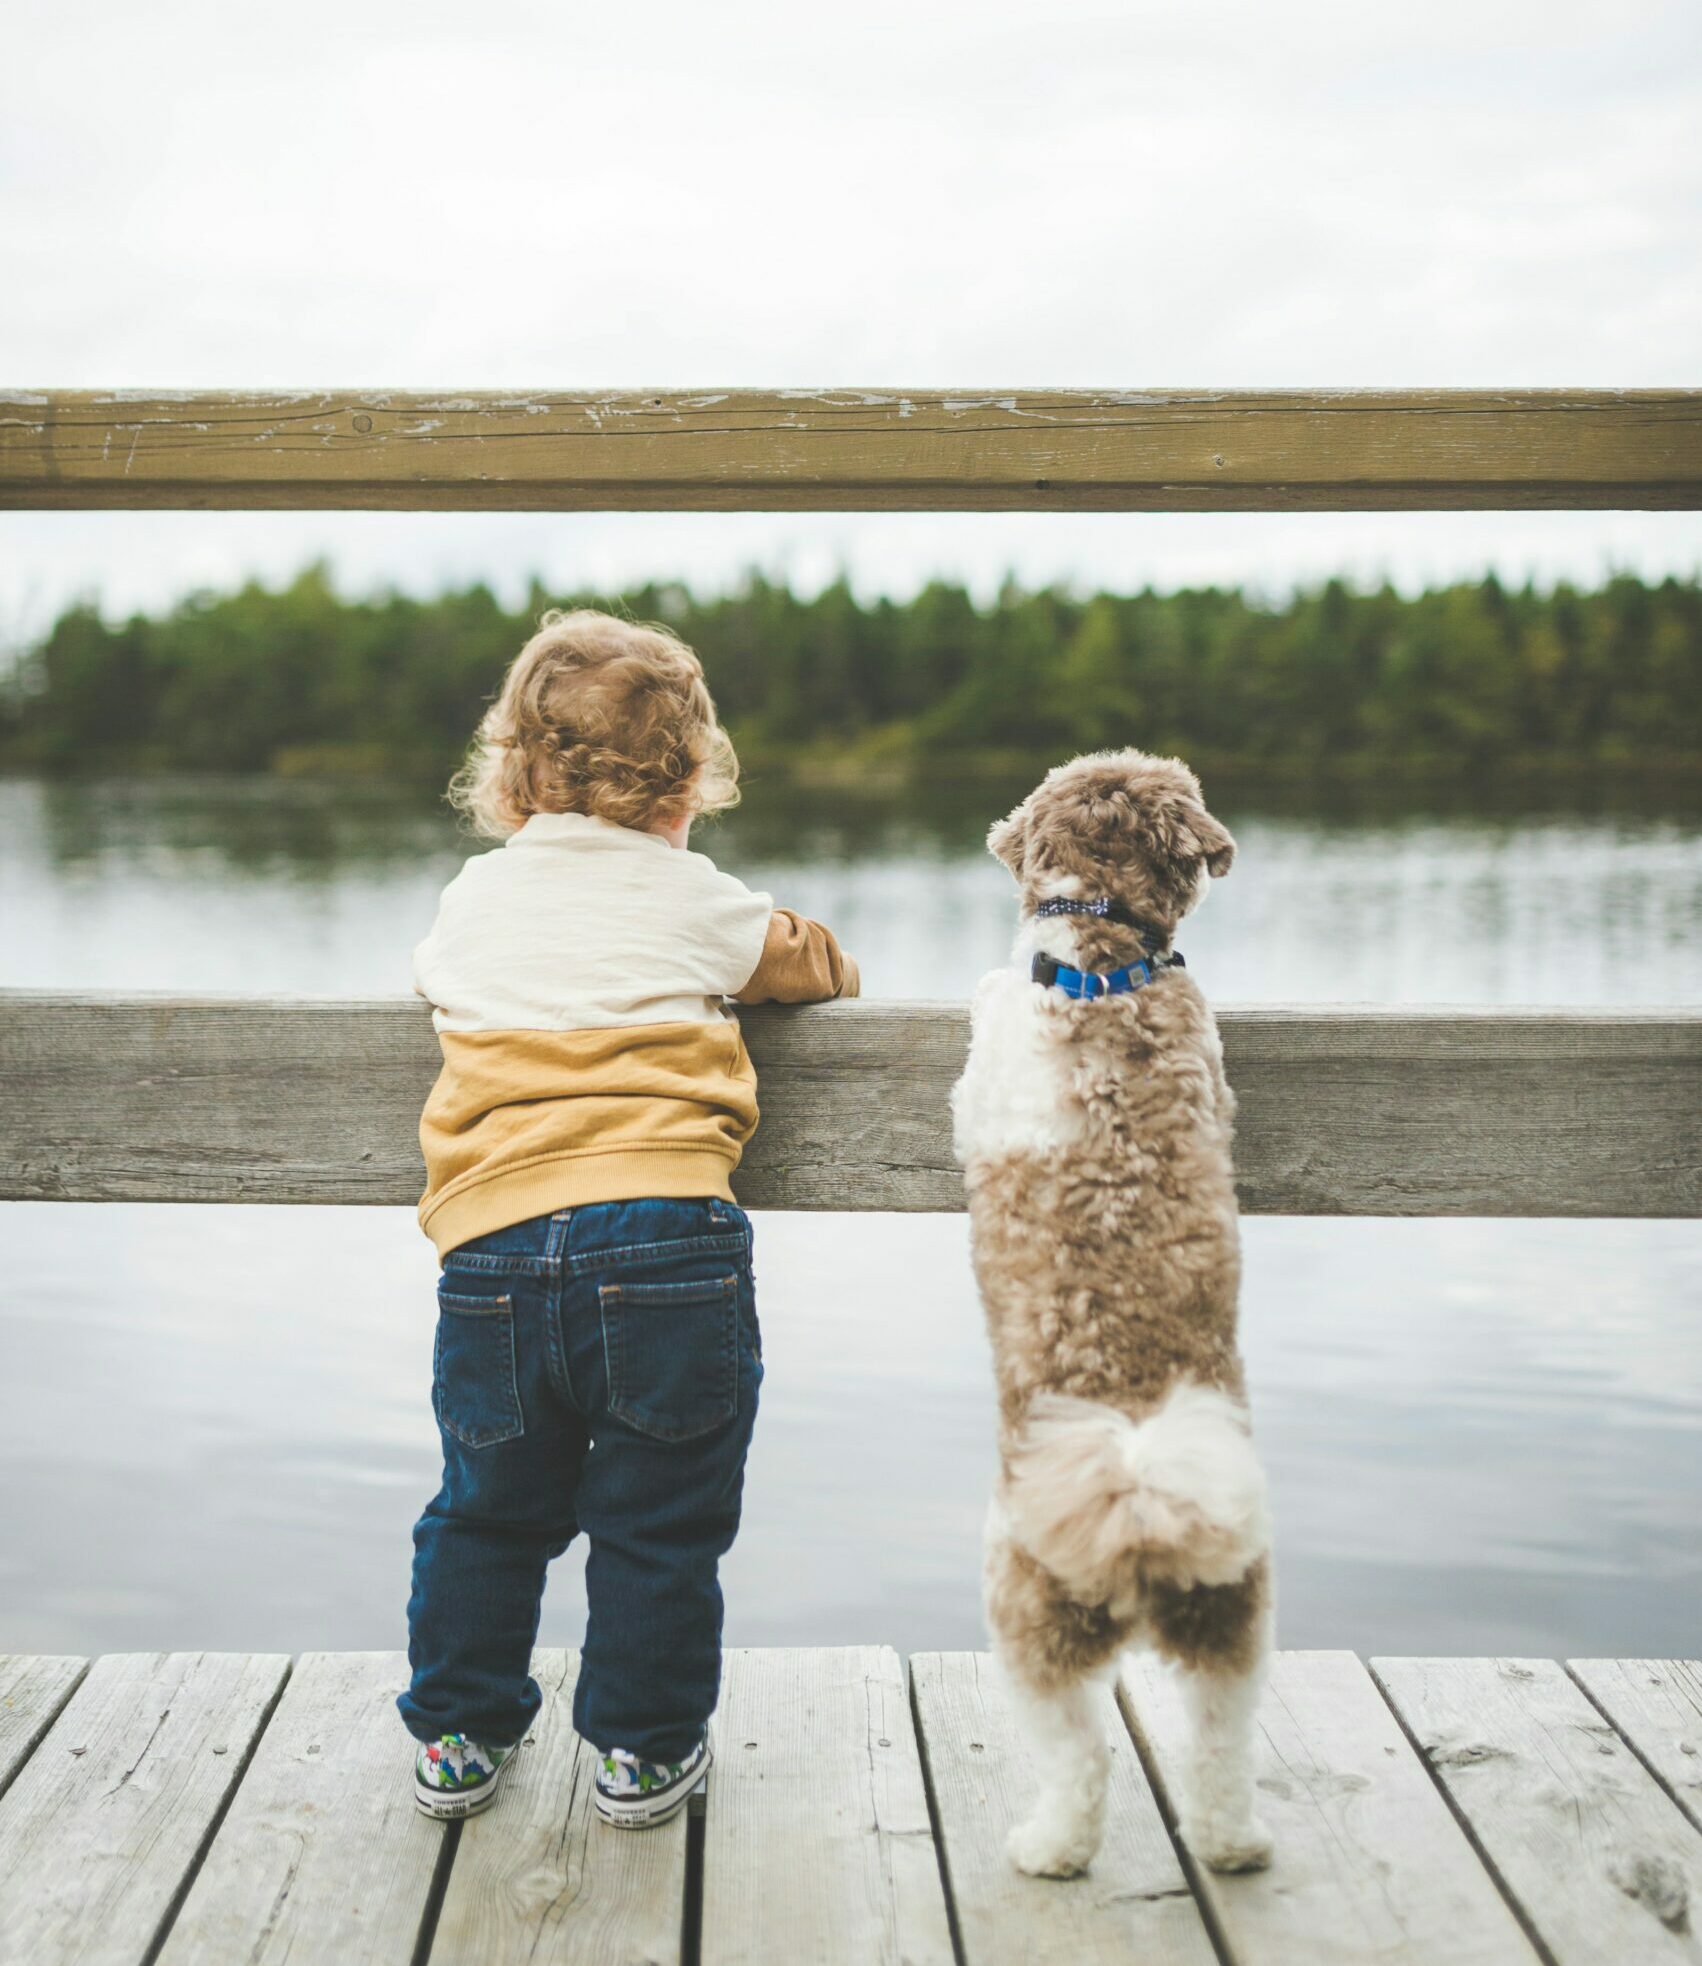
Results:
[1089, 1486]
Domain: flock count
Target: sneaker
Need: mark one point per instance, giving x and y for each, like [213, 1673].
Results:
[634, 1794]
[455, 1776]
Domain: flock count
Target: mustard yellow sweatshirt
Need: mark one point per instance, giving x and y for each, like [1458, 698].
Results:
[576, 976]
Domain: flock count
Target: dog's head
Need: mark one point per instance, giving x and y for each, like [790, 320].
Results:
[1119, 824]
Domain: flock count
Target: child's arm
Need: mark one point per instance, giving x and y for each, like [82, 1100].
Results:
[800, 963]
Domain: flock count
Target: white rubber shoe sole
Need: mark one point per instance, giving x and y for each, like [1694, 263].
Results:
[646, 1811]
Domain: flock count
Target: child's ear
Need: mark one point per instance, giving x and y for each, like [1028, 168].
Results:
[1008, 838]
[1211, 838]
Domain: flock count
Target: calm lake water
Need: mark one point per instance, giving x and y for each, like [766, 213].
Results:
[1482, 1436]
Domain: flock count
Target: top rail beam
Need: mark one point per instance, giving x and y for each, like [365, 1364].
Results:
[1317, 450]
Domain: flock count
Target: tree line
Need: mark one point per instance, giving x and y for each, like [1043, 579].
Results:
[1466, 675]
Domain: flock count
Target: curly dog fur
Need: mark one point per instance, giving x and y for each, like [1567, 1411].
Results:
[1095, 1137]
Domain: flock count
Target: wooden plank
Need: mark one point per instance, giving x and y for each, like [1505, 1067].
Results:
[1600, 1861]
[322, 1854]
[32, 1690]
[1133, 1904]
[817, 1846]
[540, 1878]
[1369, 1862]
[107, 1819]
[1343, 1111]
[1657, 1706]
[1083, 450]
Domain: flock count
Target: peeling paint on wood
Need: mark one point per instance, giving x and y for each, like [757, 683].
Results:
[853, 450]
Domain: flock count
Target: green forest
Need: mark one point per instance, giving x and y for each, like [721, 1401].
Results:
[304, 679]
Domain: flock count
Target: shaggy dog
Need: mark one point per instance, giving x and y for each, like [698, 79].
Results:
[1094, 1131]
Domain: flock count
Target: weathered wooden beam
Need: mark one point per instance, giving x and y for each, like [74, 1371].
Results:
[1344, 1111]
[1081, 450]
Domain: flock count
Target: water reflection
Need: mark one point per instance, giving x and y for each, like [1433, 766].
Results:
[1483, 1436]
[313, 888]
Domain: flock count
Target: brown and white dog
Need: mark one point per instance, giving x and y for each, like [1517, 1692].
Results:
[1095, 1137]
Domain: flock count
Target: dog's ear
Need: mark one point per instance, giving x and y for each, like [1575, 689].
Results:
[1008, 839]
[1211, 838]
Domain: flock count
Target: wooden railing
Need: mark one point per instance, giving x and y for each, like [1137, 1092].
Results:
[1391, 1111]
[1343, 1111]
[852, 450]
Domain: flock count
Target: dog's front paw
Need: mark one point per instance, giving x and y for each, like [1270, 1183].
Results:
[1243, 1845]
[1046, 1846]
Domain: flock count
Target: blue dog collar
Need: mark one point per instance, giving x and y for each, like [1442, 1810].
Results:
[1087, 985]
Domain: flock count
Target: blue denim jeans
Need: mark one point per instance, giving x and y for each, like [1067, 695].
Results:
[597, 1370]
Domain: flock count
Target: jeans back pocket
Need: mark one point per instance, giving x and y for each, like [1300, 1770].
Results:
[672, 1352]
[474, 1389]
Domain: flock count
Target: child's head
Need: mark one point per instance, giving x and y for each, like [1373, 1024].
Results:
[603, 717]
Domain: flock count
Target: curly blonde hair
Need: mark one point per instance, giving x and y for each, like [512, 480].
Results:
[601, 716]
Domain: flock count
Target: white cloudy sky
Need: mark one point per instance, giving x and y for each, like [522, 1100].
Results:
[1222, 192]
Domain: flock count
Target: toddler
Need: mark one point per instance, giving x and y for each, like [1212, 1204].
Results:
[598, 1355]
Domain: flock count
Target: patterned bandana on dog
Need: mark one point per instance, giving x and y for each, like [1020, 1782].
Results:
[1087, 985]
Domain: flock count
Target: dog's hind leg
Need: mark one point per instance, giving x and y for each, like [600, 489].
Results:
[1218, 1821]
[1050, 1650]
[1061, 1834]
[1221, 1638]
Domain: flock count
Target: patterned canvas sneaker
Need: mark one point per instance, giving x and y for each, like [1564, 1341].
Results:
[634, 1794]
[455, 1776]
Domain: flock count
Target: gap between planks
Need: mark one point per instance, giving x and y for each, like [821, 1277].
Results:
[33, 1691]
[106, 1825]
[1135, 1902]
[1370, 1863]
[863, 1818]
[1656, 1705]
[1600, 1859]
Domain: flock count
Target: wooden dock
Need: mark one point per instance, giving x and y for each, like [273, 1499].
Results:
[207, 1809]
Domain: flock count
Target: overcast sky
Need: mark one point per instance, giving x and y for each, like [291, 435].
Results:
[1226, 193]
